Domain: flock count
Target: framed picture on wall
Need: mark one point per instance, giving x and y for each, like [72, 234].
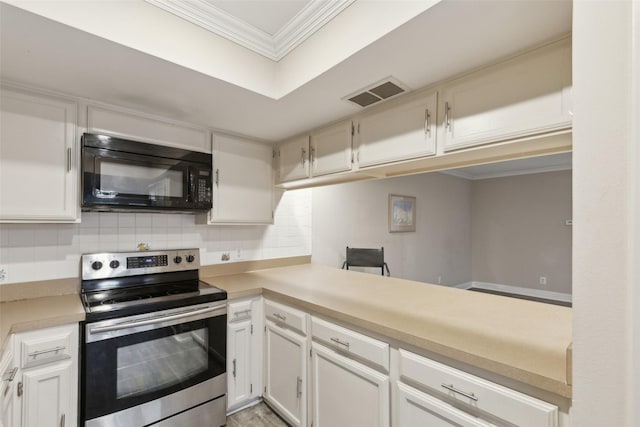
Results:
[402, 213]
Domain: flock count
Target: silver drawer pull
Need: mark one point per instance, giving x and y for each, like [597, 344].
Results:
[339, 342]
[8, 376]
[280, 317]
[450, 387]
[299, 387]
[51, 350]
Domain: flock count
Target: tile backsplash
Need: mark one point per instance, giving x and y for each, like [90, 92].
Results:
[30, 252]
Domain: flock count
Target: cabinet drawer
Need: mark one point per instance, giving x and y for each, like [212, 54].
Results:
[239, 311]
[286, 316]
[504, 403]
[46, 345]
[351, 343]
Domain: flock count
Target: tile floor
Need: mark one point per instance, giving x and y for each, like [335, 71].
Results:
[259, 415]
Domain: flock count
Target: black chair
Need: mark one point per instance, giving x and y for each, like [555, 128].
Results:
[363, 257]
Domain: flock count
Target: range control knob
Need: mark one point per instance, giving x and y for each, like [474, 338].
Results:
[96, 265]
[190, 258]
[177, 259]
[114, 264]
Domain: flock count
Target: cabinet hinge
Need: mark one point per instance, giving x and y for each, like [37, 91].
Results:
[252, 329]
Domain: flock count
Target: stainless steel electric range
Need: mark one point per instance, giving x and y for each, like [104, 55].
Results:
[154, 350]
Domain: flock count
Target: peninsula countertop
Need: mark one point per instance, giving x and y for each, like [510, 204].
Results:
[523, 340]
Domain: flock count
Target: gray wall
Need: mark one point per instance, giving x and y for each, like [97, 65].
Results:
[519, 232]
[507, 231]
[355, 215]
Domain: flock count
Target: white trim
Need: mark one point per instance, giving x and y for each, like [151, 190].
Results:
[306, 22]
[536, 293]
[475, 177]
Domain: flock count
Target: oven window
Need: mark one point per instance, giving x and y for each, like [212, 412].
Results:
[161, 363]
[149, 181]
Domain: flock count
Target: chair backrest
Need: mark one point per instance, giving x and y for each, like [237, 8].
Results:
[365, 257]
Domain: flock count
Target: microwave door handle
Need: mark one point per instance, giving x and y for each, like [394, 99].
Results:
[191, 183]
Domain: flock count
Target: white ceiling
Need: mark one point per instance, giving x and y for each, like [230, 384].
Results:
[418, 43]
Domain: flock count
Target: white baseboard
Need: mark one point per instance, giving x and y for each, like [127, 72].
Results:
[536, 293]
[251, 403]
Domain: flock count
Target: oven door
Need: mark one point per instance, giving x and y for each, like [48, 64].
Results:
[135, 369]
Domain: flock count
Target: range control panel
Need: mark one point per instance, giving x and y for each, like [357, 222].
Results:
[121, 264]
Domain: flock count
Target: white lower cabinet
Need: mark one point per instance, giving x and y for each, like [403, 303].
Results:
[450, 397]
[286, 352]
[417, 409]
[244, 362]
[8, 371]
[47, 380]
[346, 392]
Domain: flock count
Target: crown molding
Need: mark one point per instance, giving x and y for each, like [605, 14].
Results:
[204, 14]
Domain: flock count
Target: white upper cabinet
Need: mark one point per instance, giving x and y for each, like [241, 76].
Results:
[293, 159]
[331, 149]
[38, 153]
[140, 127]
[401, 132]
[527, 95]
[325, 151]
[242, 181]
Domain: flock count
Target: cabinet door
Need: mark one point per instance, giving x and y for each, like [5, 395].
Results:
[403, 132]
[293, 159]
[286, 373]
[47, 400]
[8, 379]
[242, 181]
[525, 96]
[38, 153]
[239, 362]
[415, 408]
[346, 392]
[331, 149]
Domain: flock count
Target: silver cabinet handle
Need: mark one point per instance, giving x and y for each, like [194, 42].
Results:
[217, 177]
[243, 313]
[51, 350]
[303, 155]
[63, 420]
[312, 154]
[234, 368]
[450, 387]
[299, 387]
[427, 122]
[19, 389]
[69, 159]
[339, 342]
[447, 121]
[155, 319]
[280, 317]
[8, 376]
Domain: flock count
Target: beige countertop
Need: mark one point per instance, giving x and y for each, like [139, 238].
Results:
[36, 313]
[522, 340]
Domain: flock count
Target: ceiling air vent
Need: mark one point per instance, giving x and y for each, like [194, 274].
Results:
[377, 92]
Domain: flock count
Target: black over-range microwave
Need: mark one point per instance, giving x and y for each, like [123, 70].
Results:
[128, 176]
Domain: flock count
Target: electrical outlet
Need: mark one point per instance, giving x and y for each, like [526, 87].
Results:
[439, 280]
[543, 280]
[4, 274]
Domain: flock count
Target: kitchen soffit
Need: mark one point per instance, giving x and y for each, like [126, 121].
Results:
[143, 62]
[269, 28]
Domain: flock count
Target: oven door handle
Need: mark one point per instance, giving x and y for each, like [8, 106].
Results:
[155, 319]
